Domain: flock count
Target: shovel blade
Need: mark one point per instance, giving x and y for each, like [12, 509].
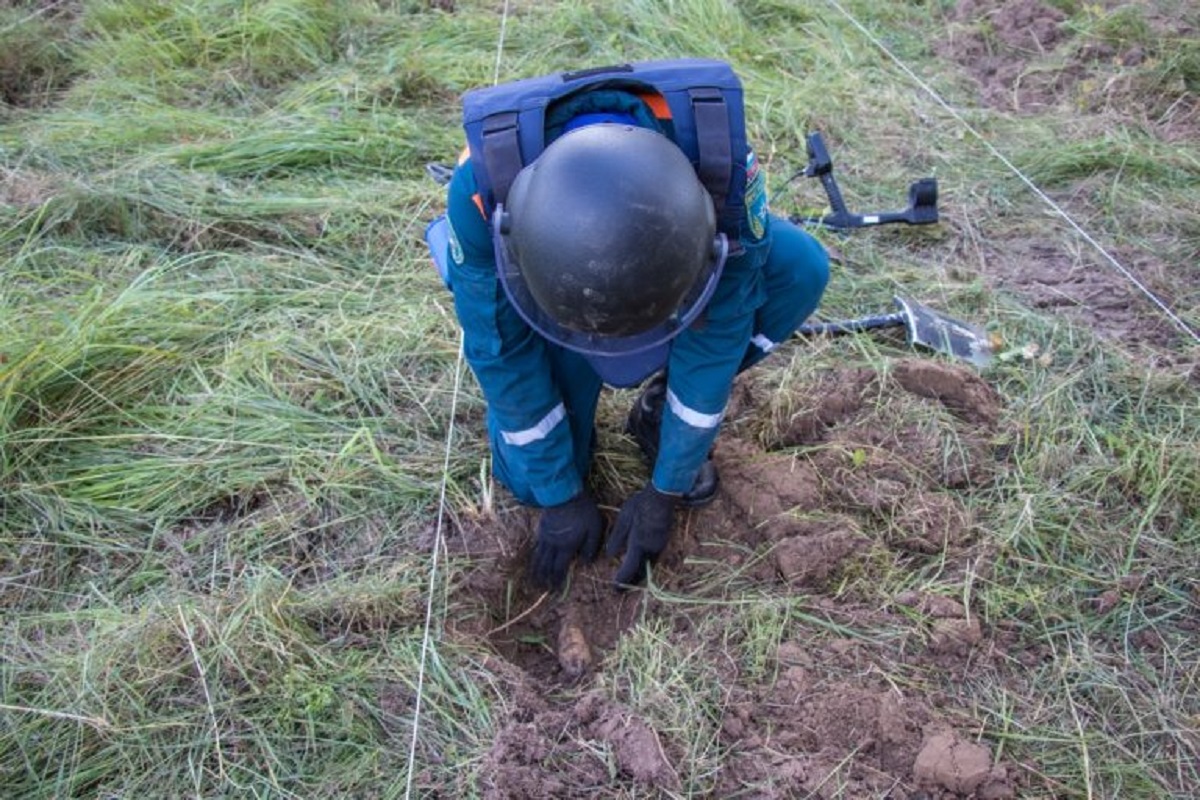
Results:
[935, 331]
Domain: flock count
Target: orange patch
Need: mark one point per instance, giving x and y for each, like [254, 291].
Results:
[657, 104]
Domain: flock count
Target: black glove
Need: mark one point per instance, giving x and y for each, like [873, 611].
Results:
[642, 530]
[564, 530]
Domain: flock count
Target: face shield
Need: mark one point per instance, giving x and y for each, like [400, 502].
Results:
[599, 344]
[607, 242]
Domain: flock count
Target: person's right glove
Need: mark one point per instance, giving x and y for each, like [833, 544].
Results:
[564, 530]
[642, 529]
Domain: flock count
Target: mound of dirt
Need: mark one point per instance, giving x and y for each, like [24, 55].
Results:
[545, 751]
[819, 483]
[1025, 56]
[995, 42]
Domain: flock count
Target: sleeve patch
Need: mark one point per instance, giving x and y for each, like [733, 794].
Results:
[756, 196]
[456, 251]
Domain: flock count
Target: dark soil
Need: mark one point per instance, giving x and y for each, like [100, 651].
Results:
[1025, 58]
[1054, 280]
[817, 485]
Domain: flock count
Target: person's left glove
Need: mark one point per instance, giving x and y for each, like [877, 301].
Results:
[564, 530]
[642, 529]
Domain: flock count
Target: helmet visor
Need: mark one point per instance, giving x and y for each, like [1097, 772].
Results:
[517, 290]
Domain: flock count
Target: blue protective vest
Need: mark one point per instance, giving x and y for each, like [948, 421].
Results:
[506, 125]
[698, 102]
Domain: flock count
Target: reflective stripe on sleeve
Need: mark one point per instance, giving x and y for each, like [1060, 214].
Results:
[539, 431]
[763, 343]
[697, 419]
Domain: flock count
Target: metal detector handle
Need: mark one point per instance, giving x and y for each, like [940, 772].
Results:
[922, 197]
[821, 166]
[440, 173]
[819, 161]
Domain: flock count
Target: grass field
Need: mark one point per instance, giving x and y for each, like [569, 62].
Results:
[244, 488]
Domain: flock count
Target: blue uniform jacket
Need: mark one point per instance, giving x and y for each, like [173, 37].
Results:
[512, 363]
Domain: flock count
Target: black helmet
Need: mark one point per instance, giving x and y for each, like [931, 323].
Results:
[608, 241]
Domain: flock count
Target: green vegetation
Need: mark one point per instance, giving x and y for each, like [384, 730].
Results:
[228, 376]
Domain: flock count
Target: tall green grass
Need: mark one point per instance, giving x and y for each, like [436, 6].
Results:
[227, 374]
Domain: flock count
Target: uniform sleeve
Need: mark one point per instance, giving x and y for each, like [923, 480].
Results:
[706, 357]
[527, 421]
[704, 361]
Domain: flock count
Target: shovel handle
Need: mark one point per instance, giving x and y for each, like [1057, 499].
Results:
[843, 327]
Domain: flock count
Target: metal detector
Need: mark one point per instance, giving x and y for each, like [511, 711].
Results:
[923, 326]
[922, 197]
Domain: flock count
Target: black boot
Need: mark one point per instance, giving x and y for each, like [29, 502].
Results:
[645, 422]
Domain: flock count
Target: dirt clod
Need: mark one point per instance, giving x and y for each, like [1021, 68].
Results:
[638, 750]
[574, 652]
[956, 636]
[960, 389]
[948, 762]
[813, 560]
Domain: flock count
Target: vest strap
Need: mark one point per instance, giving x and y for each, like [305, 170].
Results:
[713, 142]
[501, 153]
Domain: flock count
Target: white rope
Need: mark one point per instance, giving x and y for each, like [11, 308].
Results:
[500, 44]
[46, 9]
[1024, 179]
[441, 512]
[433, 570]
